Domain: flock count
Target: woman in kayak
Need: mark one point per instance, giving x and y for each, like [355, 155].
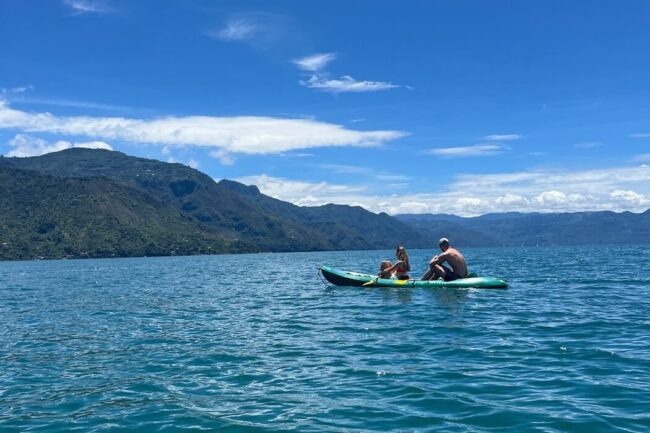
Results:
[399, 269]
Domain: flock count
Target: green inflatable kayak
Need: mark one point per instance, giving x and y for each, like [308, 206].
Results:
[345, 278]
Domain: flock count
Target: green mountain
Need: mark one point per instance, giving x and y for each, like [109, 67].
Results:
[191, 192]
[98, 203]
[222, 217]
[343, 227]
[47, 216]
[513, 228]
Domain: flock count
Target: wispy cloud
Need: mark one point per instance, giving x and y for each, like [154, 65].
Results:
[501, 137]
[466, 151]
[79, 7]
[345, 84]
[236, 29]
[22, 89]
[243, 134]
[617, 189]
[321, 81]
[77, 104]
[22, 95]
[588, 144]
[345, 169]
[640, 135]
[26, 145]
[315, 62]
[492, 146]
[223, 156]
[259, 29]
[366, 171]
[16, 91]
[296, 155]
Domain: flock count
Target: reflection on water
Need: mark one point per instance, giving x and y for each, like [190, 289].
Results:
[390, 295]
[450, 296]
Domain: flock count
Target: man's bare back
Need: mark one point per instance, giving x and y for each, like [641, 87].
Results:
[453, 258]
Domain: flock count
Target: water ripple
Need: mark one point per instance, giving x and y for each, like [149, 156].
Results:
[257, 343]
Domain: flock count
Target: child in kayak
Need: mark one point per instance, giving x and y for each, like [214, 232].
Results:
[399, 269]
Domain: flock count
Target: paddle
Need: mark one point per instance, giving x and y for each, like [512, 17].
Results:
[370, 283]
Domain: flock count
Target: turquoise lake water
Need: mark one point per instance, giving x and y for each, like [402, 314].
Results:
[257, 343]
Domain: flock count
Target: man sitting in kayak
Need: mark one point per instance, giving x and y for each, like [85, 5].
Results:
[453, 258]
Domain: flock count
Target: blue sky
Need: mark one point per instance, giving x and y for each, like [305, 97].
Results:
[464, 107]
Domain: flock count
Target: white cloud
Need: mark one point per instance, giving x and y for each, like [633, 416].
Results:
[617, 189]
[510, 200]
[224, 157]
[465, 151]
[26, 145]
[345, 84]
[300, 192]
[22, 89]
[315, 62]
[236, 29]
[586, 182]
[259, 29]
[469, 202]
[17, 91]
[409, 207]
[244, 134]
[640, 135]
[502, 137]
[87, 6]
[551, 198]
[630, 196]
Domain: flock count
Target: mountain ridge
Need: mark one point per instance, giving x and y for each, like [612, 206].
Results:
[112, 204]
[240, 216]
[572, 228]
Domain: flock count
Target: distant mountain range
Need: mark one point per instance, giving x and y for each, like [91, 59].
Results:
[530, 229]
[99, 203]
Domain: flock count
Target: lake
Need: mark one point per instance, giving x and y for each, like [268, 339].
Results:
[241, 343]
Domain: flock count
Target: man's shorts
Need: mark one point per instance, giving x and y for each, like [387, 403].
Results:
[450, 275]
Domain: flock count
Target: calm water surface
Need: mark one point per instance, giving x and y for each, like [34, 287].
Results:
[257, 343]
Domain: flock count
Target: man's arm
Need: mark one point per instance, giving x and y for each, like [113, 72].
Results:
[439, 259]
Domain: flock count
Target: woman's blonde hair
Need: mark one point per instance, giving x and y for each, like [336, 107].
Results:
[405, 259]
